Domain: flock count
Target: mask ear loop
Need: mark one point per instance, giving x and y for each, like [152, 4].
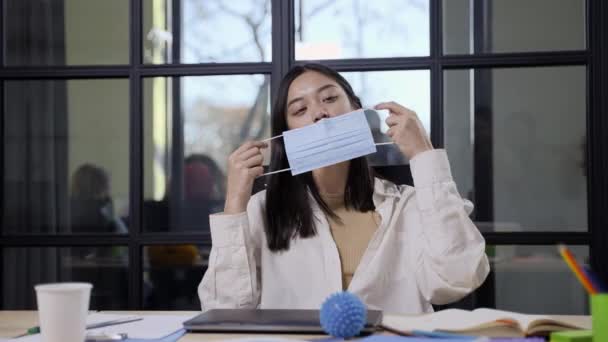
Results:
[273, 172]
[270, 139]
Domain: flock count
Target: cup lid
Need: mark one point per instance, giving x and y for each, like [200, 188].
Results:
[63, 287]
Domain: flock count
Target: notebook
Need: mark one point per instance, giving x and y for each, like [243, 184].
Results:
[267, 320]
[487, 322]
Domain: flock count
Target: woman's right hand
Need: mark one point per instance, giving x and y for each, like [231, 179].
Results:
[244, 165]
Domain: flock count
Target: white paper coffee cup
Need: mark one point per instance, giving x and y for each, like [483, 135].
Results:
[62, 311]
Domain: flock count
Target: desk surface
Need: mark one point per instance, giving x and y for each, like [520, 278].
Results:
[14, 323]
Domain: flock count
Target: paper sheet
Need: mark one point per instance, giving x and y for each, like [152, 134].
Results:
[151, 327]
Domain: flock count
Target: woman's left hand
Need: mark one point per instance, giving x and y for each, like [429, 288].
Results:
[406, 130]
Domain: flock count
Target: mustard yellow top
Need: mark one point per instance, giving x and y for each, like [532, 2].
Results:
[352, 235]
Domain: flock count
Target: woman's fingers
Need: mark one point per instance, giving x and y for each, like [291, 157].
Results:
[246, 151]
[393, 107]
[256, 160]
[249, 153]
[391, 120]
[249, 145]
[244, 164]
[256, 171]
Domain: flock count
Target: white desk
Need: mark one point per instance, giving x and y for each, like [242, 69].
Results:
[14, 323]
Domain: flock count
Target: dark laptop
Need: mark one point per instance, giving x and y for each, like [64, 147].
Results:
[268, 320]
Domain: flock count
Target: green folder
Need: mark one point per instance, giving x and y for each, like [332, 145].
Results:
[599, 317]
[572, 336]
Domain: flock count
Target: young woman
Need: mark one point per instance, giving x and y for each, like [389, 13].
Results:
[399, 248]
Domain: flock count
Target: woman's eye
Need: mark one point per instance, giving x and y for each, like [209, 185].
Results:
[330, 99]
[300, 111]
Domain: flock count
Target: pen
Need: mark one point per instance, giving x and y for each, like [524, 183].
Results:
[444, 335]
[36, 329]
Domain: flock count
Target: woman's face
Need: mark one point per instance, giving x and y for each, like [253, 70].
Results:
[313, 96]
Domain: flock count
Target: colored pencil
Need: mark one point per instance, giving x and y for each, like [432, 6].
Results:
[593, 278]
[576, 269]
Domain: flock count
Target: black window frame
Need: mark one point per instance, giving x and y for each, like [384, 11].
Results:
[594, 57]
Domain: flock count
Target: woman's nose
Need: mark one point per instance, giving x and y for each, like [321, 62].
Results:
[320, 113]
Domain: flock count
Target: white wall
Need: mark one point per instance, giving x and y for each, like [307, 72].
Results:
[539, 123]
[539, 127]
[539, 118]
[457, 22]
[537, 25]
[99, 130]
[538, 113]
[97, 32]
[517, 25]
[458, 125]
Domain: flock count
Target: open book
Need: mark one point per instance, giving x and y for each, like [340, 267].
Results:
[487, 322]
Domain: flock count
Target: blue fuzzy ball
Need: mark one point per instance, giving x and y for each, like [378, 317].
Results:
[343, 315]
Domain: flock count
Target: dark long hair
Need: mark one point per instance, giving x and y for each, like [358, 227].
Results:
[288, 210]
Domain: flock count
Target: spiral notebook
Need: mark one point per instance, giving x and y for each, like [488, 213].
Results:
[268, 320]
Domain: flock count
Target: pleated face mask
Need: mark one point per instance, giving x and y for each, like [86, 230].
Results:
[327, 142]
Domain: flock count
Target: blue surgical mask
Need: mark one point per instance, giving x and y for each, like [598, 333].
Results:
[327, 142]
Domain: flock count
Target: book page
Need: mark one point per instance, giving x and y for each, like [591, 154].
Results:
[529, 322]
[488, 322]
[455, 320]
[523, 320]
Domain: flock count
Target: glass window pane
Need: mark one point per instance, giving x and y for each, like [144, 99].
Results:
[171, 276]
[104, 267]
[66, 157]
[513, 26]
[185, 163]
[519, 134]
[68, 32]
[194, 31]
[409, 88]
[528, 279]
[351, 29]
